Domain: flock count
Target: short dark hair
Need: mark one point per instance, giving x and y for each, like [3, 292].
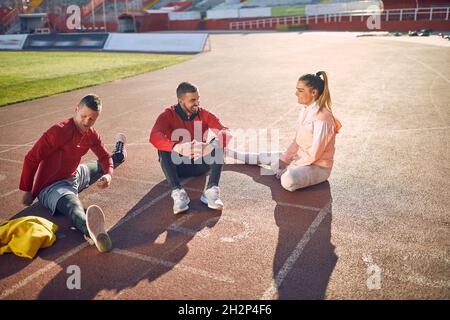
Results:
[185, 87]
[92, 101]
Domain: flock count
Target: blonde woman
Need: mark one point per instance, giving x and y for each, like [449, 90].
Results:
[309, 158]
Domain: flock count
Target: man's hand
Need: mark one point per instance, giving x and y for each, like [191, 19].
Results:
[202, 149]
[185, 149]
[27, 198]
[104, 181]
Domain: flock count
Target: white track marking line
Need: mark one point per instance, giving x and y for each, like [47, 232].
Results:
[28, 144]
[290, 261]
[298, 206]
[31, 118]
[429, 68]
[435, 106]
[13, 145]
[9, 193]
[420, 129]
[174, 265]
[12, 161]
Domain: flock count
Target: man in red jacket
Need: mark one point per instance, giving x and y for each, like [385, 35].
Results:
[180, 134]
[56, 157]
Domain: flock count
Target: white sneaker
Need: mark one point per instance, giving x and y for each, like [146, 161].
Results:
[95, 222]
[180, 200]
[120, 151]
[211, 197]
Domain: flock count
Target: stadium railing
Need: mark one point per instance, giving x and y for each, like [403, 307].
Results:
[431, 14]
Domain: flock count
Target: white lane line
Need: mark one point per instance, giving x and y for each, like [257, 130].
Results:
[290, 261]
[42, 271]
[9, 193]
[299, 206]
[177, 226]
[420, 129]
[429, 68]
[28, 144]
[138, 180]
[13, 145]
[66, 256]
[12, 161]
[31, 118]
[174, 265]
[435, 106]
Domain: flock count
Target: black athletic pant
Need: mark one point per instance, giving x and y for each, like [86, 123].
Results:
[173, 170]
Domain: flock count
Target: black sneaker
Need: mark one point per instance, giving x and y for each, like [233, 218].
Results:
[120, 153]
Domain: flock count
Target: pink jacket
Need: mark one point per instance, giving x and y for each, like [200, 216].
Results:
[314, 139]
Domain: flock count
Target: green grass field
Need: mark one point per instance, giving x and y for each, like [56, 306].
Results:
[30, 75]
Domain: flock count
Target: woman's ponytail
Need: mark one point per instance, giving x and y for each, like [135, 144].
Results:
[324, 98]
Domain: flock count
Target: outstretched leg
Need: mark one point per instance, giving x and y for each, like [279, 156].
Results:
[254, 158]
[71, 206]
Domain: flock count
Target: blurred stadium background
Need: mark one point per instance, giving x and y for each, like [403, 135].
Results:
[60, 16]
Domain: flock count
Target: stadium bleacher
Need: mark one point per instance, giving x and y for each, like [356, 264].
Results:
[57, 5]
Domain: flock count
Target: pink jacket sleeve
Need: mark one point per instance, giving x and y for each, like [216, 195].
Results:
[291, 151]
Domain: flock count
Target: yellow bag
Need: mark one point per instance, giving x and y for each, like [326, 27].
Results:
[24, 236]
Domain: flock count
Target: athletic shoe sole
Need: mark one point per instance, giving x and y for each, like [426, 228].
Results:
[95, 222]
